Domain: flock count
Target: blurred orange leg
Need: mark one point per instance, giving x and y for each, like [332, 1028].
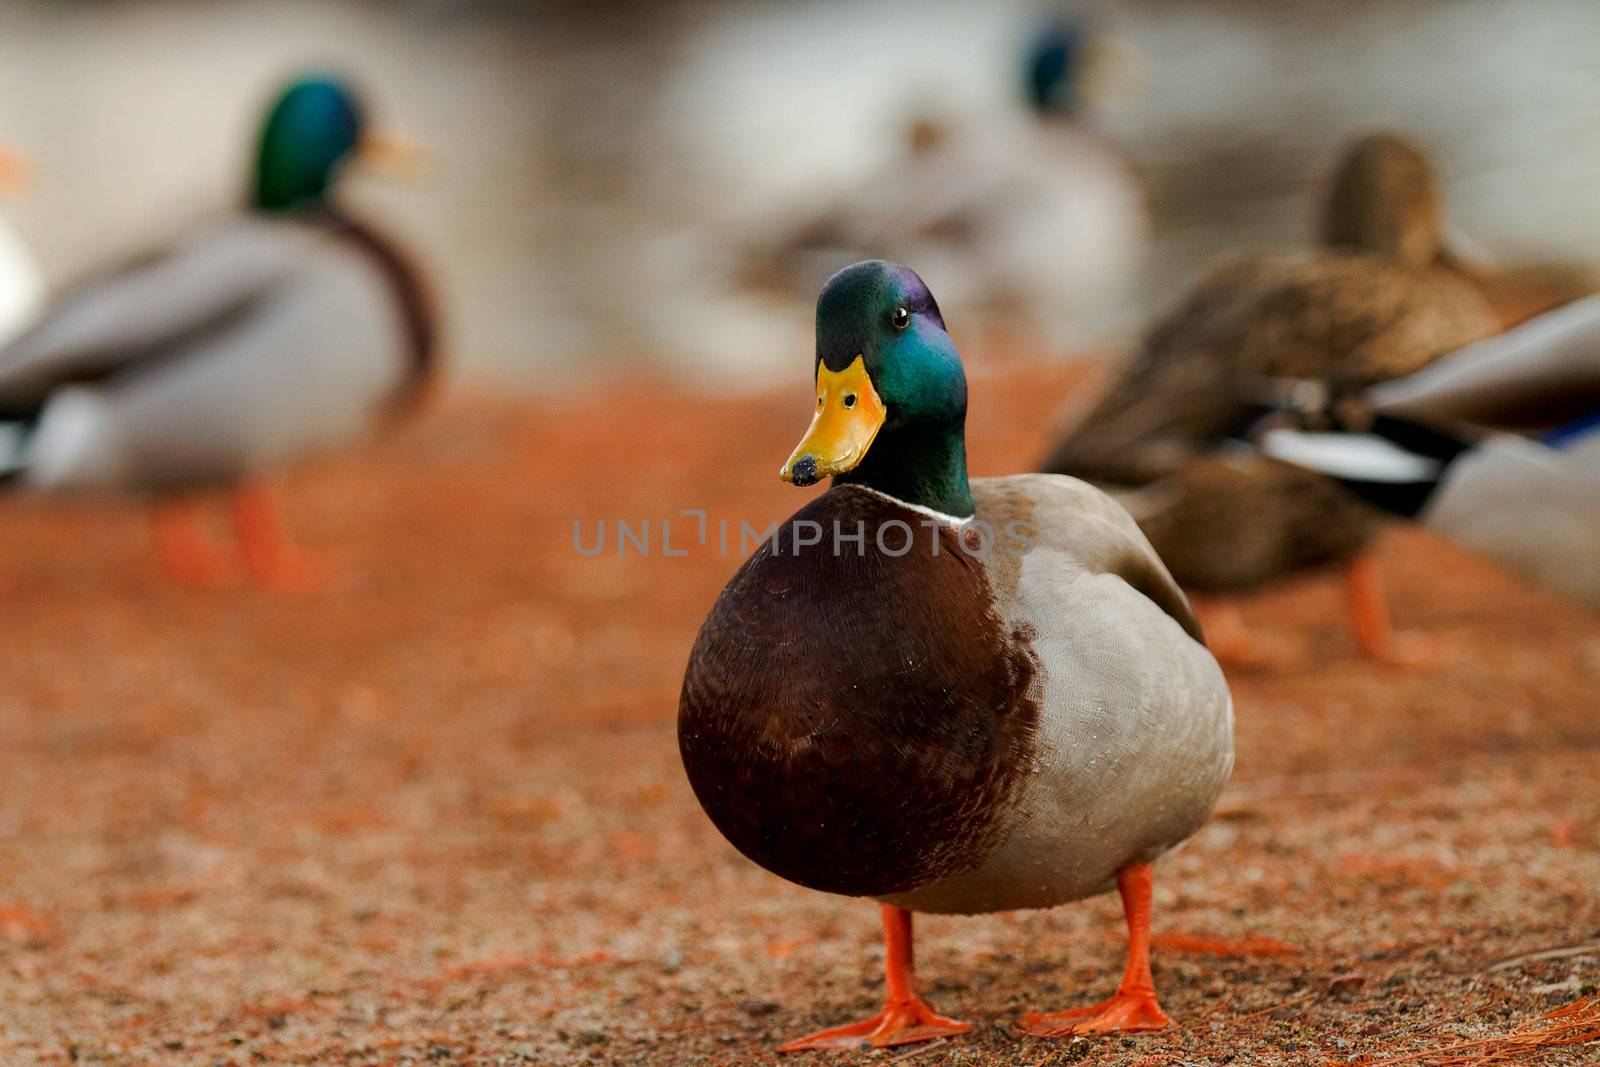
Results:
[905, 1018]
[1134, 1007]
[269, 556]
[181, 546]
[1370, 621]
[1369, 613]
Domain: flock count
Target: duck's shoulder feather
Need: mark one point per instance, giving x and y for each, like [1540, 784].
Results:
[1077, 529]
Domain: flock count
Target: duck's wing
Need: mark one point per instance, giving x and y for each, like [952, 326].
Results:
[1178, 394]
[1258, 328]
[1542, 374]
[1097, 534]
[130, 316]
[1351, 320]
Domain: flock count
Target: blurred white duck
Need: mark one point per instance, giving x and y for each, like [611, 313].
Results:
[288, 328]
[1035, 227]
[21, 285]
[1433, 447]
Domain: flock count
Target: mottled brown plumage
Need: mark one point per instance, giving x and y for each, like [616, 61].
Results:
[1166, 434]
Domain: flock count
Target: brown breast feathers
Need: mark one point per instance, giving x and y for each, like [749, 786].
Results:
[853, 721]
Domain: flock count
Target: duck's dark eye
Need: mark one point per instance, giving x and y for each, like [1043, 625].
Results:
[900, 318]
[849, 400]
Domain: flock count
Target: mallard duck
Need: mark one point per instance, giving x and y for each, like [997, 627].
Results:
[1375, 302]
[21, 285]
[948, 694]
[1041, 222]
[288, 328]
[1434, 448]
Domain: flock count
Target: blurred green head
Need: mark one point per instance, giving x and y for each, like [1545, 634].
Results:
[312, 130]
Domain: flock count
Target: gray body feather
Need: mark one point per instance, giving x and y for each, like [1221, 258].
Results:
[1135, 734]
[258, 340]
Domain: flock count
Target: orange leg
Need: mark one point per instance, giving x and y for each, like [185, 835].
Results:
[1371, 624]
[181, 546]
[1134, 1007]
[269, 556]
[905, 1018]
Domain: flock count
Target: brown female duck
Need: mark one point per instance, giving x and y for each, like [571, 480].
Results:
[1379, 300]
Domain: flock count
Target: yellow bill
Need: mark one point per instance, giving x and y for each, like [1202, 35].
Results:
[393, 155]
[849, 415]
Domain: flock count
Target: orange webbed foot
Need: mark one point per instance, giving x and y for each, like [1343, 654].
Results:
[1133, 1009]
[1125, 1013]
[185, 555]
[1373, 629]
[903, 1022]
[1410, 651]
[1235, 644]
[270, 558]
[905, 1018]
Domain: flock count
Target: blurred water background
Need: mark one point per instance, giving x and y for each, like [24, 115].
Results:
[593, 160]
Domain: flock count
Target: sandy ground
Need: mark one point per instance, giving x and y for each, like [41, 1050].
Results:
[435, 814]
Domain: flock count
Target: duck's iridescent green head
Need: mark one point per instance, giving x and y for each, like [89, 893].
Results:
[311, 132]
[1054, 67]
[891, 404]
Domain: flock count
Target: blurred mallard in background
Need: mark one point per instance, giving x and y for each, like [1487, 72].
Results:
[1033, 229]
[1496, 447]
[288, 328]
[21, 285]
[1380, 299]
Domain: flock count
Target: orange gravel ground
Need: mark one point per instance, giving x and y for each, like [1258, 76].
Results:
[436, 813]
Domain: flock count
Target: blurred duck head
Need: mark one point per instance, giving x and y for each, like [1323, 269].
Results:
[16, 173]
[317, 126]
[1384, 199]
[1069, 68]
[891, 396]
